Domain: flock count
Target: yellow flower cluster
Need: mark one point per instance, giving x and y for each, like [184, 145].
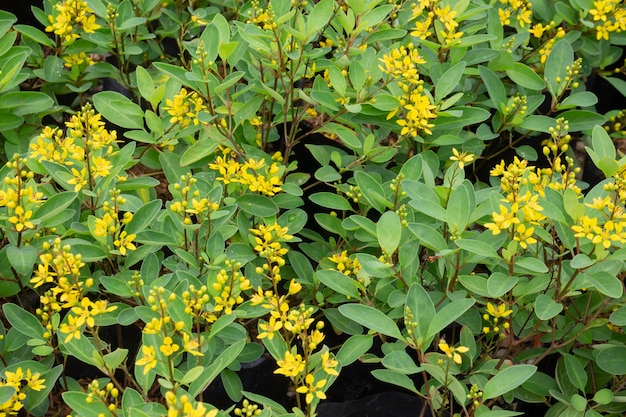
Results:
[183, 406]
[262, 17]
[617, 124]
[268, 244]
[185, 108]
[60, 266]
[609, 16]
[549, 37]
[606, 226]
[86, 148]
[493, 316]
[253, 174]
[21, 383]
[69, 18]
[171, 335]
[188, 203]
[247, 409]
[20, 197]
[521, 9]
[109, 395]
[416, 106]
[197, 303]
[229, 286]
[78, 60]
[109, 227]
[520, 211]
[429, 15]
[345, 265]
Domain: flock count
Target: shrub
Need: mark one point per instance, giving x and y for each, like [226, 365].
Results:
[229, 179]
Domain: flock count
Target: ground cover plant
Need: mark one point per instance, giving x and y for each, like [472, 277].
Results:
[192, 186]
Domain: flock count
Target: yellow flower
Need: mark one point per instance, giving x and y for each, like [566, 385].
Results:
[329, 364]
[72, 328]
[168, 348]
[312, 388]
[501, 311]
[34, 382]
[124, 242]
[461, 157]
[69, 17]
[524, 235]
[452, 352]
[191, 345]
[269, 328]
[148, 358]
[21, 219]
[291, 366]
[185, 108]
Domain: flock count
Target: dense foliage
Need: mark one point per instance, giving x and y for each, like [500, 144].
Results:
[190, 185]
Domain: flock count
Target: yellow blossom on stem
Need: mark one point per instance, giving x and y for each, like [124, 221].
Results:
[452, 352]
[148, 359]
[312, 388]
[461, 158]
[124, 242]
[291, 365]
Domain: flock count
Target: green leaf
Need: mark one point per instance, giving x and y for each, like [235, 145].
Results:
[581, 261]
[6, 392]
[582, 119]
[448, 314]
[78, 402]
[575, 371]
[524, 76]
[499, 284]
[612, 360]
[546, 307]
[603, 396]
[428, 236]
[347, 136]
[561, 56]
[22, 259]
[114, 359]
[371, 318]
[143, 217]
[507, 380]
[118, 109]
[26, 102]
[421, 308]
[12, 67]
[257, 205]
[54, 205]
[618, 317]
[331, 201]
[395, 378]
[353, 348]
[372, 190]
[145, 84]
[605, 282]
[531, 264]
[494, 85]
[477, 247]
[389, 231]
[23, 321]
[339, 282]
[400, 361]
[602, 144]
[319, 16]
[449, 81]
[225, 358]
[460, 206]
[582, 99]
